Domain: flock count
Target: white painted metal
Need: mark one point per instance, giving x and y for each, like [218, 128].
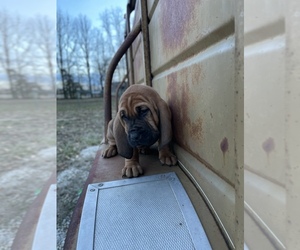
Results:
[45, 235]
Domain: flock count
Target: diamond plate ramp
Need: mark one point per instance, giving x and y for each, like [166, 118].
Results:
[152, 212]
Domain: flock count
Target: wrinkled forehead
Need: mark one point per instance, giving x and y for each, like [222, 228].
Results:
[129, 104]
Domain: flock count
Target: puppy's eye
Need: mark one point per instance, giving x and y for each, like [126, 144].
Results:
[122, 114]
[142, 110]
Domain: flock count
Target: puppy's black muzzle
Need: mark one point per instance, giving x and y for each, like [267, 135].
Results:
[142, 136]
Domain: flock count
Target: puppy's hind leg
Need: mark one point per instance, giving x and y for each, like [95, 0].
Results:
[112, 148]
[110, 151]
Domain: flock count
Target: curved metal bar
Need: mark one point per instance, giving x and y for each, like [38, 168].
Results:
[110, 71]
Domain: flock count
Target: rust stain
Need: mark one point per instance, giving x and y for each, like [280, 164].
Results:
[180, 102]
[268, 145]
[176, 17]
[196, 129]
[224, 145]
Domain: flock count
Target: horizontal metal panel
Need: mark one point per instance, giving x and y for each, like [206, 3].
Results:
[265, 174]
[264, 108]
[179, 25]
[260, 191]
[151, 5]
[260, 13]
[200, 93]
[137, 12]
[218, 194]
[254, 236]
[138, 64]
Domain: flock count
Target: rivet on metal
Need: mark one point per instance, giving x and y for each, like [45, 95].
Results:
[100, 184]
[92, 190]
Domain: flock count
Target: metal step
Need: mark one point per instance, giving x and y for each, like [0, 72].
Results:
[151, 212]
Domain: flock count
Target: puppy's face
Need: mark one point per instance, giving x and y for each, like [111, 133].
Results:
[140, 121]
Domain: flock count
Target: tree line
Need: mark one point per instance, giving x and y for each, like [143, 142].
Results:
[84, 51]
[27, 52]
[71, 54]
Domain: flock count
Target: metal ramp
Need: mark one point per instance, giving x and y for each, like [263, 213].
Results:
[152, 212]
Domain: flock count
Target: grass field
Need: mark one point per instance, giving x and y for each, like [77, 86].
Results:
[26, 126]
[79, 125]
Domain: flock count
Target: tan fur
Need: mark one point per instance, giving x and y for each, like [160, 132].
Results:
[159, 119]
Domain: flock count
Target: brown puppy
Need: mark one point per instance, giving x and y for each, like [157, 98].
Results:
[143, 118]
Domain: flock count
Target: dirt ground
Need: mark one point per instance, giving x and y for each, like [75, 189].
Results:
[27, 156]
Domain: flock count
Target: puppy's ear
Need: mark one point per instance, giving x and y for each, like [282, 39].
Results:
[165, 124]
[123, 147]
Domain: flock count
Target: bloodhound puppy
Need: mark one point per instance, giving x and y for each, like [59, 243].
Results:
[143, 118]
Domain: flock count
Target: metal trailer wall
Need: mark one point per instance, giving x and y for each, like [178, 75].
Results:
[271, 116]
[196, 53]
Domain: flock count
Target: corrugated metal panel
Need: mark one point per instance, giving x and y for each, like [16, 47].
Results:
[265, 196]
[137, 48]
[292, 118]
[194, 68]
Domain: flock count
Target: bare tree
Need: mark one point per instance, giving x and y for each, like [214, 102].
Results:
[84, 33]
[118, 25]
[84, 50]
[113, 25]
[16, 43]
[44, 31]
[105, 19]
[6, 57]
[100, 56]
[66, 45]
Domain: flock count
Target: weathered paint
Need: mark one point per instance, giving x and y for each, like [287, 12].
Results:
[175, 21]
[138, 64]
[137, 50]
[194, 63]
[198, 20]
[292, 119]
[179, 100]
[265, 196]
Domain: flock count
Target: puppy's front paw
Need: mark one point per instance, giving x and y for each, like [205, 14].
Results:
[110, 152]
[132, 170]
[167, 158]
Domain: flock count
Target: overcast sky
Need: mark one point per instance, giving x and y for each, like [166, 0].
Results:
[30, 8]
[91, 8]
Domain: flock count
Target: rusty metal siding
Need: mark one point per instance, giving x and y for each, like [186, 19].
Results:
[193, 62]
[198, 70]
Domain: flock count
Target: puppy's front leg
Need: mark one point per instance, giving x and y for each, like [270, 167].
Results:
[132, 167]
[166, 156]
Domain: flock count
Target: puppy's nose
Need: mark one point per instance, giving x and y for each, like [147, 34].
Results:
[134, 135]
